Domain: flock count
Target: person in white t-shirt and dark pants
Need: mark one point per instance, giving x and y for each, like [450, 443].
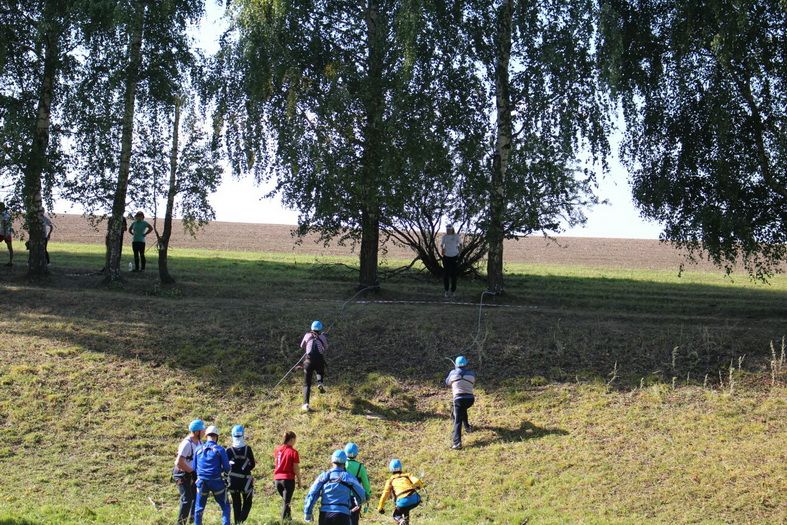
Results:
[183, 472]
[450, 246]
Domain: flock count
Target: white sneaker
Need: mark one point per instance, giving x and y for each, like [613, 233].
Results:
[305, 407]
[446, 295]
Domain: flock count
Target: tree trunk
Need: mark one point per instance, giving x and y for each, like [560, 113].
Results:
[163, 271]
[497, 202]
[33, 199]
[370, 170]
[115, 226]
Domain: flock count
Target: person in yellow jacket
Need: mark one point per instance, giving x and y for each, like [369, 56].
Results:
[404, 490]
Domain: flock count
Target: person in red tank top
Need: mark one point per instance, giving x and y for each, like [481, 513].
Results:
[286, 471]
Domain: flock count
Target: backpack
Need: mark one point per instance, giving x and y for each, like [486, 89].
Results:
[317, 346]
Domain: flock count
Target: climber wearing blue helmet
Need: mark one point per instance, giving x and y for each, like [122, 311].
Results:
[314, 345]
[183, 473]
[339, 493]
[357, 469]
[241, 479]
[402, 488]
[462, 381]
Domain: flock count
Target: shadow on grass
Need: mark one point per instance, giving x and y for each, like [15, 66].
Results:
[240, 321]
[406, 413]
[526, 430]
[18, 521]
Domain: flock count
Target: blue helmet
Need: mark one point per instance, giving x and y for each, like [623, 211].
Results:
[395, 465]
[237, 431]
[339, 457]
[351, 449]
[196, 425]
[461, 361]
[317, 326]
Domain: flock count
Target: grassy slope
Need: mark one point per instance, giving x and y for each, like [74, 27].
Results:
[96, 385]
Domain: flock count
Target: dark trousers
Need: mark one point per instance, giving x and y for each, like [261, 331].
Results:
[334, 518]
[450, 269]
[285, 488]
[188, 493]
[241, 504]
[355, 517]
[461, 404]
[404, 511]
[139, 254]
[46, 252]
[314, 364]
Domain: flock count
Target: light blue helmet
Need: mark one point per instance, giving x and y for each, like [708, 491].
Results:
[395, 465]
[317, 326]
[339, 457]
[351, 449]
[237, 431]
[461, 361]
[196, 425]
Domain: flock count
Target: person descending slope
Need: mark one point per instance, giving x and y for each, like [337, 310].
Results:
[339, 493]
[183, 472]
[314, 344]
[211, 465]
[357, 469]
[462, 381]
[241, 479]
[403, 489]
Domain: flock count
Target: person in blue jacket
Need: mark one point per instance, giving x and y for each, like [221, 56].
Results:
[339, 491]
[211, 466]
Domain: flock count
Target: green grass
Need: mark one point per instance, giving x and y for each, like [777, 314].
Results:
[97, 384]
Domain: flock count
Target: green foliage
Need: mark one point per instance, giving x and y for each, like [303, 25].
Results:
[703, 86]
[95, 113]
[366, 114]
[559, 111]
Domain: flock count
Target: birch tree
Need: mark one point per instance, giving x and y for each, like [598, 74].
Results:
[35, 40]
[549, 110]
[337, 101]
[703, 86]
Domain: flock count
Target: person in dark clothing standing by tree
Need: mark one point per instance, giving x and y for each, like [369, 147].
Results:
[241, 479]
[314, 344]
[7, 232]
[450, 245]
[286, 471]
[462, 381]
[139, 229]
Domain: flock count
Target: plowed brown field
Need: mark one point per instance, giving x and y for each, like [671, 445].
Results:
[574, 251]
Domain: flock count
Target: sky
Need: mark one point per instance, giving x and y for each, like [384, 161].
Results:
[242, 200]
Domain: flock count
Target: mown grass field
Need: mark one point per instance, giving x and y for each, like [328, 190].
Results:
[606, 396]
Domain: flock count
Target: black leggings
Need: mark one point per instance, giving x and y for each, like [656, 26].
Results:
[313, 364]
[285, 488]
[139, 254]
[450, 269]
[461, 405]
[241, 504]
[404, 511]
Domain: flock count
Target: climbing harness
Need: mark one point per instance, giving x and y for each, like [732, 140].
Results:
[248, 486]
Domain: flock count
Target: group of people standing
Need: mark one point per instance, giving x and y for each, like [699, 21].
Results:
[7, 232]
[139, 230]
[205, 468]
